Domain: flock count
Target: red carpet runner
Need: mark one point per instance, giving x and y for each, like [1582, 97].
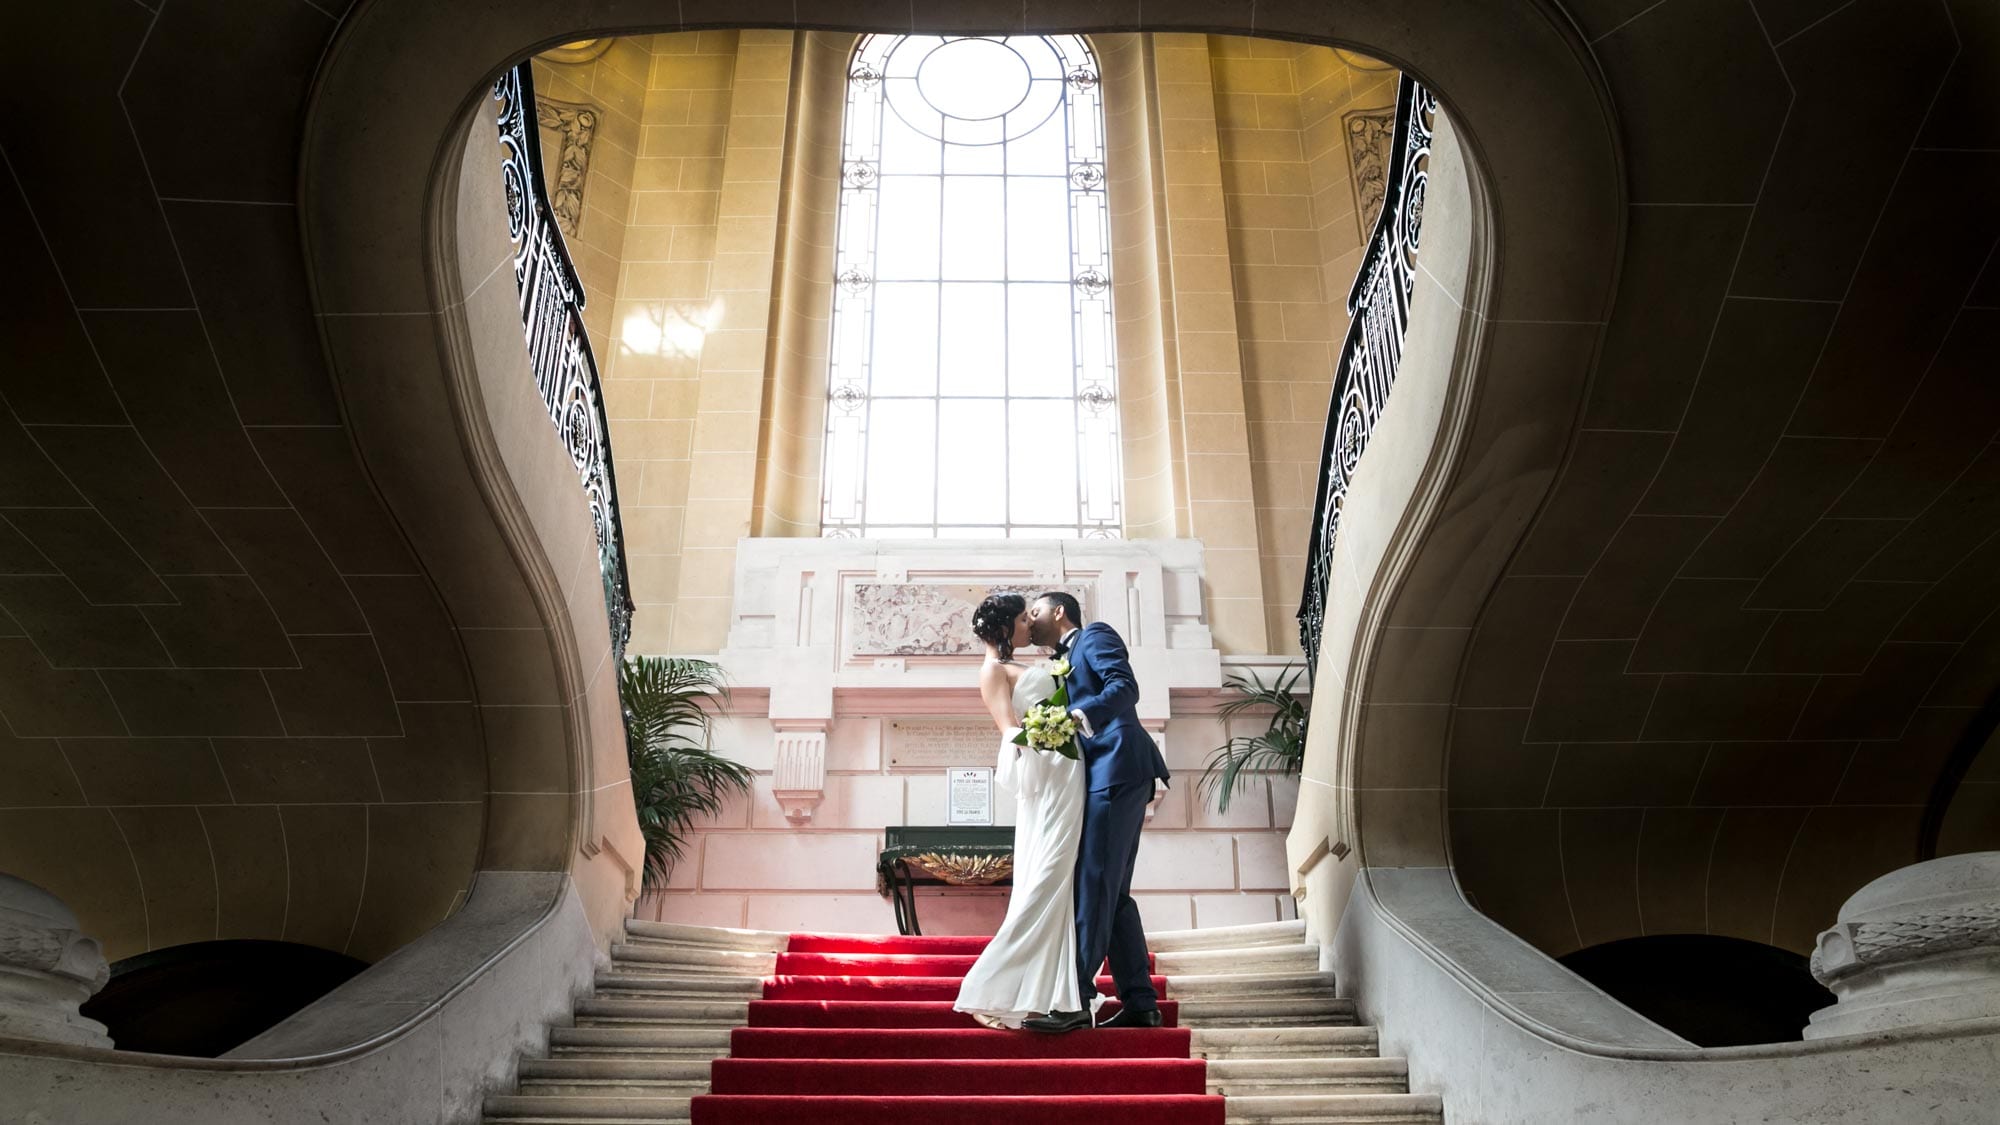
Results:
[858, 1030]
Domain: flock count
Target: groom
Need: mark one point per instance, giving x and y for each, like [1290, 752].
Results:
[1120, 763]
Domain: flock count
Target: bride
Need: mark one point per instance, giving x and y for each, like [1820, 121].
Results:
[1029, 968]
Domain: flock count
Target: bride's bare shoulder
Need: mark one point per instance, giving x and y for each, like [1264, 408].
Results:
[994, 675]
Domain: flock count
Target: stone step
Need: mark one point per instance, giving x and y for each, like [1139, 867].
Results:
[1201, 985]
[719, 989]
[647, 1009]
[693, 1013]
[1237, 1078]
[1284, 1042]
[635, 1070]
[713, 937]
[533, 1118]
[686, 987]
[695, 958]
[639, 1042]
[1261, 959]
[624, 1088]
[1336, 1109]
[1268, 1011]
[1228, 937]
[517, 1109]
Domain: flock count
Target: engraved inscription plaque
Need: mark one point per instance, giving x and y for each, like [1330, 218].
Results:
[934, 743]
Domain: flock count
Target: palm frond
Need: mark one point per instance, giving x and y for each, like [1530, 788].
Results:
[676, 775]
[1279, 749]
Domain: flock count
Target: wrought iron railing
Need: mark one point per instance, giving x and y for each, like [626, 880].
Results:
[558, 350]
[1379, 304]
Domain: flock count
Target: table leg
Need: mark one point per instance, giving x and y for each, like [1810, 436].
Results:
[906, 902]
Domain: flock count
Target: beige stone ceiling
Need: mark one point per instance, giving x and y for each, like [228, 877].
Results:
[234, 707]
[1724, 670]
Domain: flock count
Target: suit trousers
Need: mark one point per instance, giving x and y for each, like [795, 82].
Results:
[1107, 920]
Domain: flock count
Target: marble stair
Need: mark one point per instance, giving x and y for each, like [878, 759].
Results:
[1280, 1047]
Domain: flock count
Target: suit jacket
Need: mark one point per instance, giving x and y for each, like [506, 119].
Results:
[1101, 685]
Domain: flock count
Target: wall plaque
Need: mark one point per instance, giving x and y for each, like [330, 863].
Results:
[968, 795]
[932, 743]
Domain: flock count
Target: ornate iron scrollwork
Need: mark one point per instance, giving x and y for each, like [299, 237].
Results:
[1379, 304]
[558, 349]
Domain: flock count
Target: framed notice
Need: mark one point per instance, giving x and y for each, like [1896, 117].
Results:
[968, 795]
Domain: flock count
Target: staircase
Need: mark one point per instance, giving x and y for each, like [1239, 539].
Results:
[688, 1011]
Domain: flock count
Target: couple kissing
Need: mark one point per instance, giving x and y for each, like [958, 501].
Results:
[1081, 768]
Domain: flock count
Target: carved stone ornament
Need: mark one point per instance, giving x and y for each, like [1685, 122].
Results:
[798, 777]
[1920, 945]
[1370, 136]
[574, 129]
[927, 618]
[48, 966]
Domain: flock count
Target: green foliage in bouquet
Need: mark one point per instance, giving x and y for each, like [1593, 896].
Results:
[1281, 747]
[676, 777]
[1048, 725]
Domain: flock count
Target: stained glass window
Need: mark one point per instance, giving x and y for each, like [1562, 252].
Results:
[973, 387]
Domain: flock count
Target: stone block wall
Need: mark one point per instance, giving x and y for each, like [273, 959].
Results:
[808, 671]
[748, 866]
[1295, 240]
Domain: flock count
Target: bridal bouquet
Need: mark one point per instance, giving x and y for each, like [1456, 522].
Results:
[1048, 725]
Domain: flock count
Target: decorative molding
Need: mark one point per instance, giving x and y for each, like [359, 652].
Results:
[1371, 134]
[888, 619]
[575, 126]
[798, 777]
[1852, 946]
[1920, 945]
[48, 967]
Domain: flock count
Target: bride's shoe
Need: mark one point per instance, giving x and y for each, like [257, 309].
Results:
[989, 1021]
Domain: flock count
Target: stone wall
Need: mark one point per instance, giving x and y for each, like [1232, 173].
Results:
[808, 671]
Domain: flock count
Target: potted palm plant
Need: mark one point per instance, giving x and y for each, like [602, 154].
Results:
[676, 775]
[1281, 747]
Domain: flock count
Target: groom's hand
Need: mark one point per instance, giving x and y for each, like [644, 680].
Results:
[1083, 723]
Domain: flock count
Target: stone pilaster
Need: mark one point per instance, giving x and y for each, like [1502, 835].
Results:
[722, 477]
[1221, 502]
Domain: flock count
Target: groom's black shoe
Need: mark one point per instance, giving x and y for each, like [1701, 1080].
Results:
[1056, 1022]
[1129, 1018]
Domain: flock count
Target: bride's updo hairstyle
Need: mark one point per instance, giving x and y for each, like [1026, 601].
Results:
[993, 621]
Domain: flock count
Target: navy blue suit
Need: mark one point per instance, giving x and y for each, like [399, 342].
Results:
[1120, 762]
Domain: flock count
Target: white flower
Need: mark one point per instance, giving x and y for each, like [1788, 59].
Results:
[1060, 668]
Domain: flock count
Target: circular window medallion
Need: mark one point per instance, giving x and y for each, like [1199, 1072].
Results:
[973, 79]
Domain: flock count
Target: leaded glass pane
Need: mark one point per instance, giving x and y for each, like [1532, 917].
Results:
[1034, 208]
[974, 249]
[901, 453]
[974, 318]
[906, 350]
[1039, 347]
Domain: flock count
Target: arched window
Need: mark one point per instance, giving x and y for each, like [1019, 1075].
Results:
[972, 390]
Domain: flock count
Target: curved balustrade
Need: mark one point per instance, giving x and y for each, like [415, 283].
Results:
[558, 350]
[1379, 304]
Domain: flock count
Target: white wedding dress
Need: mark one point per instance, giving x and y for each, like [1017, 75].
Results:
[1029, 968]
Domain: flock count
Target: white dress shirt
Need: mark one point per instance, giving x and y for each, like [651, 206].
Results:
[1082, 721]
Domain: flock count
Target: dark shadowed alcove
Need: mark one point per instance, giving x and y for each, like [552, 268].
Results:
[208, 997]
[1713, 991]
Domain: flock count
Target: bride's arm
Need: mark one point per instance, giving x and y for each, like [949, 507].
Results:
[996, 688]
